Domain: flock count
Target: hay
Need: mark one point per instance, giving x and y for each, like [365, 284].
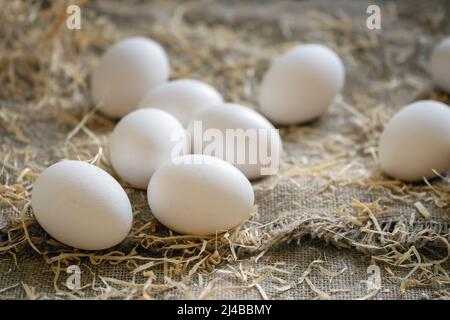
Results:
[46, 114]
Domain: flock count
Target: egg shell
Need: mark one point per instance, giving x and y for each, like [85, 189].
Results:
[182, 98]
[142, 141]
[200, 195]
[234, 116]
[126, 72]
[416, 141]
[440, 65]
[301, 84]
[81, 205]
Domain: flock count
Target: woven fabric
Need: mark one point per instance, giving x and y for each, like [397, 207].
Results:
[328, 194]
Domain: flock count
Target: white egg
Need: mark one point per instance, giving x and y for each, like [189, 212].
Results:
[301, 84]
[81, 205]
[182, 98]
[200, 195]
[238, 135]
[126, 72]
[142, 141]
[440, 65]
[416, 141]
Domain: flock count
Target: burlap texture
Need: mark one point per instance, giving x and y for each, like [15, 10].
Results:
[329, 186]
